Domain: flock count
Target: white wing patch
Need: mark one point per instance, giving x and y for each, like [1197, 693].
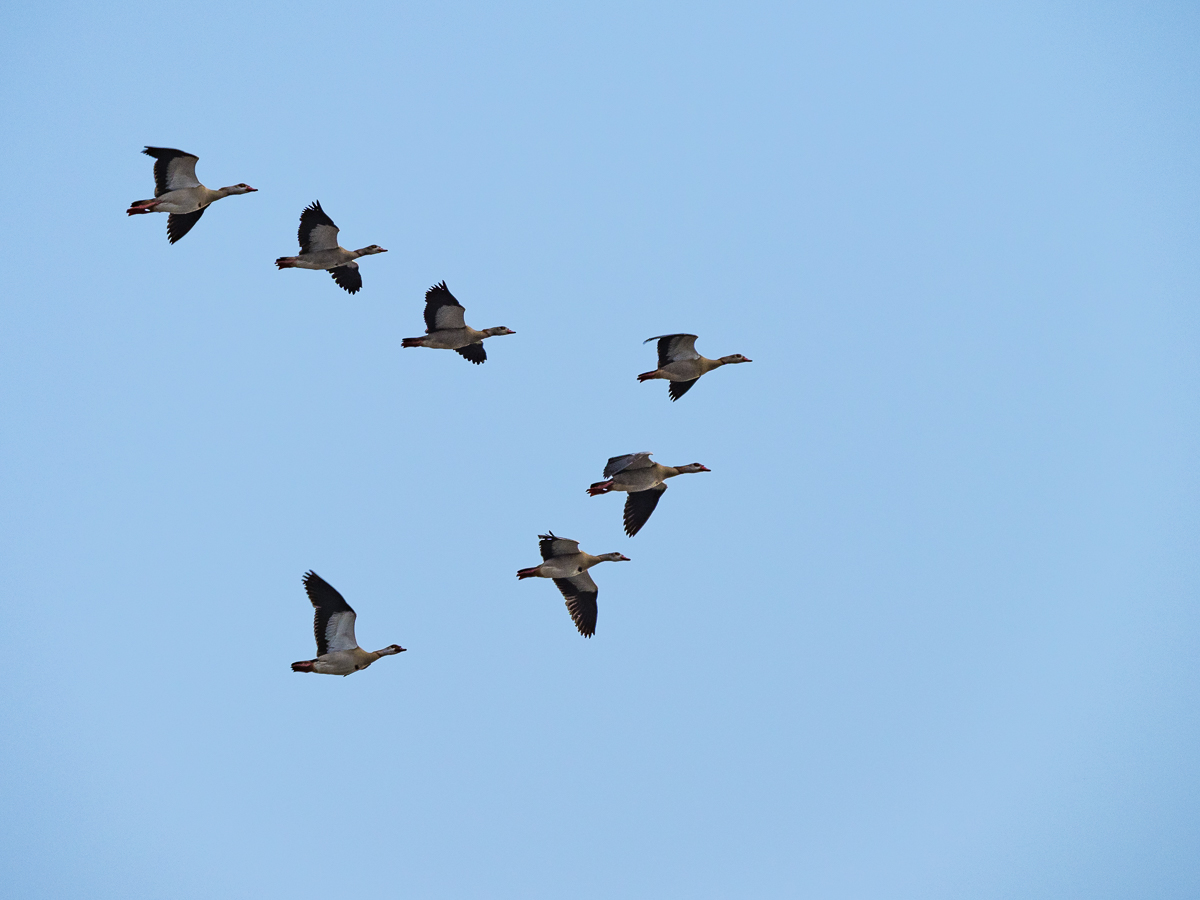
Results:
[583, 583]
[632, 461]
[682, 346]
[339, 632]
[448, 317]
[564, 547]
[181, 173]
[323, 237]
[553, 546]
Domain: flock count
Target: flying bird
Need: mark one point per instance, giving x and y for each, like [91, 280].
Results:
[568, 566]
[680, 364]
[176, 191]
[644, 480]
[319, 249]
[445, 328]
[338, 652]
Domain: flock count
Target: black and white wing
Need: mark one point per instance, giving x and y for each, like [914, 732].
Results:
[317, 231]
[674, 347]
[443, 312]
[629, 461]
[638, 507]
[580, 593]
[678, 388]
[347, 277]
[551, 546]
[333, 624]
[179, 224]
[173, 170]
[473, 352]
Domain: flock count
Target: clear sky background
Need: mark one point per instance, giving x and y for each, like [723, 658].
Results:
[929, 628]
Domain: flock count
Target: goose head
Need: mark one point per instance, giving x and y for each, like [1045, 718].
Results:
[693, 467]
[500, 329]
[736, 358]
[239, 189]
[613, 557]
[371, 251]
[391, 650]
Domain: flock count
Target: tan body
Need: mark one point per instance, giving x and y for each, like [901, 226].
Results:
[345, 662]
[323, 259]
[451, 338]
[642, 479]
[565, 566]
[188, 200]
[687, 369]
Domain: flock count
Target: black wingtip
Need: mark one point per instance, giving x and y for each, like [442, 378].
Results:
[678, 388]
[437, 290]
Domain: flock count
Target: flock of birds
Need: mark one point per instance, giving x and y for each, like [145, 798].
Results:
[178, 193]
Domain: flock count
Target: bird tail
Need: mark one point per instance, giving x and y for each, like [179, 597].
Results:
[303, 666]
[646, 376]
[413, 342]
[528, 573]
[286, 262]
[600, 487]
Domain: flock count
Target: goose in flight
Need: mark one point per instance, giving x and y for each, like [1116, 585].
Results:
[645, 482]
[319, 250]
[176, 191]
[338, 652]
[568, 566]
[680, 364]
[445, 328]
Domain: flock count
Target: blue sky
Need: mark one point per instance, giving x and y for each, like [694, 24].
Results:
[927, 630]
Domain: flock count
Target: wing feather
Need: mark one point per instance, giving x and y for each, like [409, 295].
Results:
[442, 311]
[179, 224]
[317, 231]
[551, 545]
[348, 277]
[473, 352]
[674, 347]
[580, 592]
[678, 388]
[173, 169]
[333, 623]
[638, 507]
[629, 461]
